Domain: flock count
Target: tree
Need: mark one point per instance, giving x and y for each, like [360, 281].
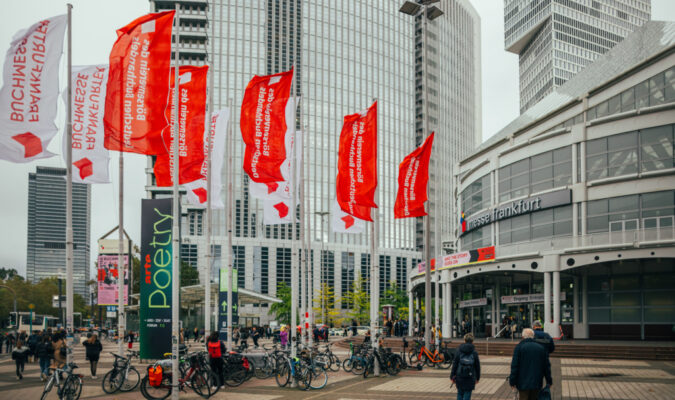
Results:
[188, 275]
[396, 297]
[358, 300]
[8, 273]
[324, 305]
[282, 311]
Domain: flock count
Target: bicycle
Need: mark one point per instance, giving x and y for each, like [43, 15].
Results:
[123, 377]
[68, 388]
[422, 355]
[356, 361]
[331, 360]
[195, 378]
[318, 368]
[297, 369]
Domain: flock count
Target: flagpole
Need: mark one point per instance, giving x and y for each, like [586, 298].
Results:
[69, 187]
[303, 261]
[374, 281]
[121, 321]
[427, 218]
[294, 247]
[209, 213]
[175, 281]
[230, 201]
[308, 246]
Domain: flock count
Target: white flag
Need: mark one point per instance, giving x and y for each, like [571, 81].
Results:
[277, 211]
[196, 190]
[281, 190]
[90, 157]
[28, 99]
[345, 223]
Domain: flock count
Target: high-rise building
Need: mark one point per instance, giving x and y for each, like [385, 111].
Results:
[46, 255]
[555, 39]
[345, 54]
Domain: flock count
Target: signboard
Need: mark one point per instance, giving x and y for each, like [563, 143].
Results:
[156, 278]
[463, 258]
[473, 303]
[110, 246]
[518, 207]
[111, 311]
[222, 302]
[55, 301]
[529, 298]
[107, 274]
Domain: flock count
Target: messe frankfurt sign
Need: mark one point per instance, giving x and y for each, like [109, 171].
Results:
[519, 207]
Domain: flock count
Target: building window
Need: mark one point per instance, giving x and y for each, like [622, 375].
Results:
[656, 148]
[189, 254]
[365, 271]
[612, 156]
[514, 180]
[195, 222]
[348, 264]
[385, 273]
[476, 196]
[239, 254]
[284, 266]
[554, 222]
[551, 169]
[328, 267]
[260, 269]
[477, 238]
[402, 273]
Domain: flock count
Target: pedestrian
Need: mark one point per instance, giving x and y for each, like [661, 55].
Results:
[19, 356]
[195, 332]
[367, 338]
[60, 351]
[529, 366]
[235, 336]
[542, 337]
[32, 343]
[283, 336]
[216, 349]
[9, 343]
[255, 335]
[94, 348]
[130, 339]
[465, 371]
[44, 351]
[354, 327]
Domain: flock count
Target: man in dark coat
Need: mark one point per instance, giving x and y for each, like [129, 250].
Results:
[543, 338]
[465, 371]
[530, 364]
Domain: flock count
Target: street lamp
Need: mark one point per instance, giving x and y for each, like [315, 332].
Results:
[323, 311]
[431, 12]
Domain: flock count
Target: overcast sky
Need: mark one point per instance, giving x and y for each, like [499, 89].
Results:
[94, 24]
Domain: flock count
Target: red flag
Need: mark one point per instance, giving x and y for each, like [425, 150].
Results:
[413, 176]
[357, 164]
[191, 119]
[265, 120]
[138, 85]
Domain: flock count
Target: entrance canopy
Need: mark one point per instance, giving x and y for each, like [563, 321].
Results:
[195, 295]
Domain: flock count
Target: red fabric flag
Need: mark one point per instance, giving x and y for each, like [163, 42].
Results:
[138, 85]
[191, 120]
[265, 120]
[357, 164]
[413, 176]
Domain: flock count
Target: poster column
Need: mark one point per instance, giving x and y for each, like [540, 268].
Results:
[156, 278]
[222, 302]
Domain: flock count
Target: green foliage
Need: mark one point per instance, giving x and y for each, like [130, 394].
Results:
[8, 273]
[396, 297]
[324, 305]
[359, 301]
[282, 311]
[39, 294]
[188, 275]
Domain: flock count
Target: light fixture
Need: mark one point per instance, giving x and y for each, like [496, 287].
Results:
[410, 8]
[433, 12]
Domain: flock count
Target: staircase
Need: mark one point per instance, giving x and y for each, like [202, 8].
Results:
[577, 349]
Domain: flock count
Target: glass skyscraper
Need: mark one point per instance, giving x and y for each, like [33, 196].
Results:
[346, 55]
[555, 39]
[46, 254]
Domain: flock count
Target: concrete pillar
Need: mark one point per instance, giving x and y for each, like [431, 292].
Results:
[575, 300]
[555, 328]
[547, 301]
[451, 312]
[493, 316]
[584, 306]
[446, 329]
[411, 312]
[498, 301]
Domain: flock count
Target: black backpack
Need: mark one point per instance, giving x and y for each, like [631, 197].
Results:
[465, 368]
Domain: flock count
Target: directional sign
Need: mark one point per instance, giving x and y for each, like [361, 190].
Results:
[222, 301]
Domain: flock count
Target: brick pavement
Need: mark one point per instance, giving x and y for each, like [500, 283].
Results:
[574, 379]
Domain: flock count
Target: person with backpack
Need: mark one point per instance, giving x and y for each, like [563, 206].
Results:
[19, 356]
[216, 349]
[44, 354]
[60, 350]
[94, 348]
[529, 366]
[543, 338]
[465, 371]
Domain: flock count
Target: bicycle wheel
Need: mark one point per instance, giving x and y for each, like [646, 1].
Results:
[265, 370]
[235, 377]
[48, 387]
[283, 374]
[413, 356]
[319, 377]
[72, 388]
[335, 363]
[443, 364]
[250, 373]
[347, 365]
[323, 359]
[357, 365]
[200, 384]
[112, 381]
[303, 373]
[367, 368]
[131, 380]
[394, 365]
[156, 392]
[214, 382]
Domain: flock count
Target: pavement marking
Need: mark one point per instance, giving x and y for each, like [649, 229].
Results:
[609, 363]
[617, 390]
[623, 372]
[434, 385]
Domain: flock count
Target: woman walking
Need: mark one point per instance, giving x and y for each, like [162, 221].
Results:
[19, 356]
[283, 336]
[44, 354]
[94, 348]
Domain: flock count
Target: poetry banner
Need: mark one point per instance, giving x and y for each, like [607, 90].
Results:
[156, 278]
[28, 98]
[138, 85]
[357, 164]
[90, 157]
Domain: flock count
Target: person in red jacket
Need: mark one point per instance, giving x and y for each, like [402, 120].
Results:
[216, 349]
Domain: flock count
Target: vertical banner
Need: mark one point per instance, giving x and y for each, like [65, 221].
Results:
[156, 278]
[222, 302]
[413, 176]
[107, 275]
[90, 157]
[30, 90]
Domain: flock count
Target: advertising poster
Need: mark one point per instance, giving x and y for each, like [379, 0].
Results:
[106, 277]
[156, 278]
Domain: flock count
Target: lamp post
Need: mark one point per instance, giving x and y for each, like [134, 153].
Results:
[61, 320]
[321, 305]
[429, 12]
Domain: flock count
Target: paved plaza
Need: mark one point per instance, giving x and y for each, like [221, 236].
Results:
[574, 379]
